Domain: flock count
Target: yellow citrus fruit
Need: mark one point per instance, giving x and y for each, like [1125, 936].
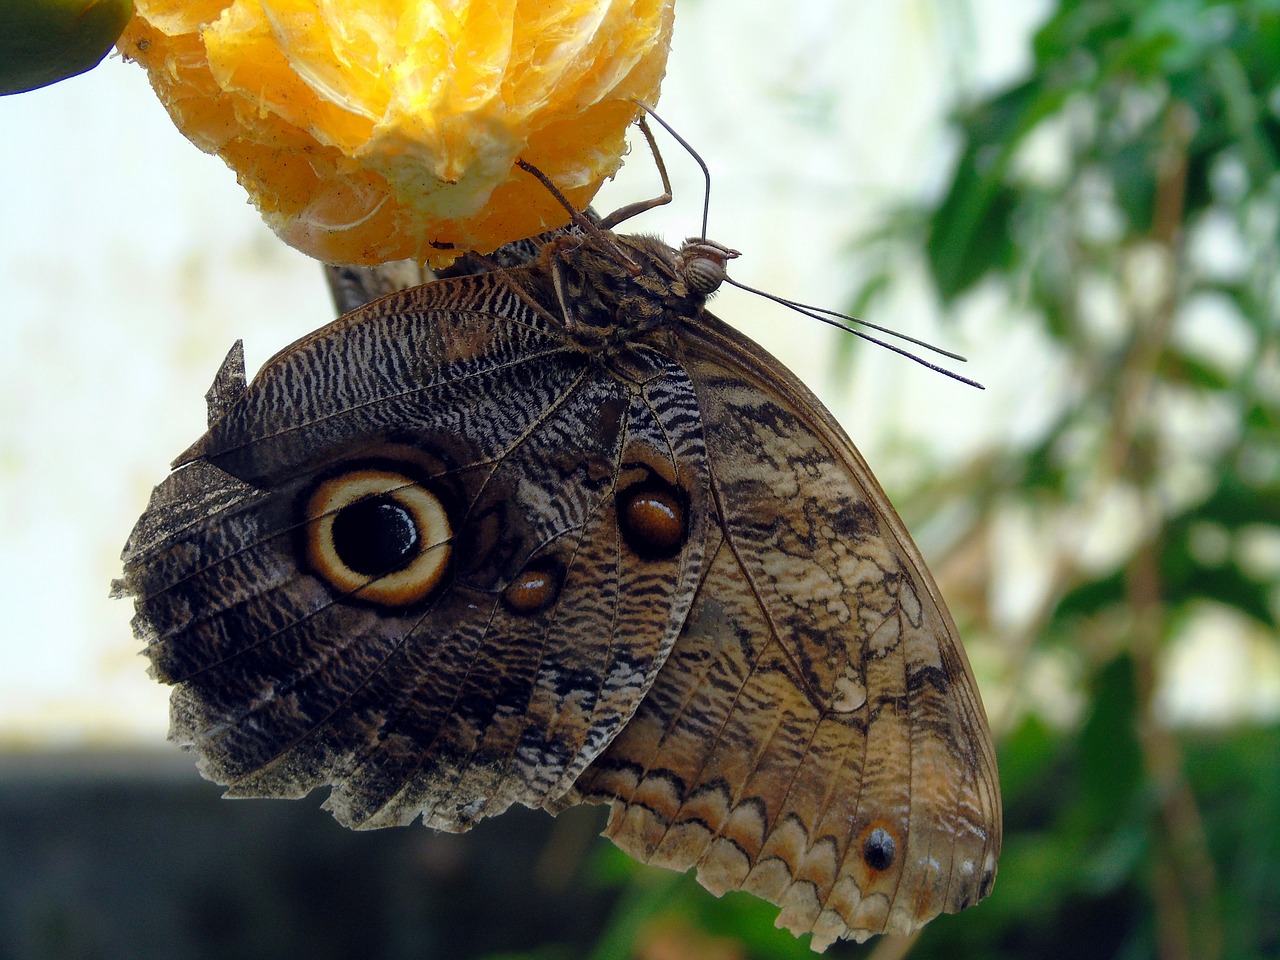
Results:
[376, 130]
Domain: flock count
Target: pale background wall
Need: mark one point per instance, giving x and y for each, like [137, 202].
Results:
[129, 262]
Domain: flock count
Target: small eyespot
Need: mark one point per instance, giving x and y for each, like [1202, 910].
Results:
[879, 849]
[653, 519]
[377, 535]
[534, 589]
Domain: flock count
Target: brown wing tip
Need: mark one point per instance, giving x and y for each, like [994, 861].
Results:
[842, 913]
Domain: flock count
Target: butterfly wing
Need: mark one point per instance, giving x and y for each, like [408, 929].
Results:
[493, 667]
[352, 285]
[816, 736]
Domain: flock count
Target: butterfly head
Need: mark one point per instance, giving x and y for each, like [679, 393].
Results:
[703, 264]
[615, 290]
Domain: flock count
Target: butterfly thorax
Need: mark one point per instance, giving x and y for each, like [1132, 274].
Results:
[614, 290]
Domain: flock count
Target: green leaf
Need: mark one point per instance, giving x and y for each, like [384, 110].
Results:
[44, 41]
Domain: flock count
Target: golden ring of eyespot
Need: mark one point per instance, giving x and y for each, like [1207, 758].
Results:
[378, 535]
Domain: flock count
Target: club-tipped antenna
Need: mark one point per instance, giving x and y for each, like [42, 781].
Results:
[706, 174]
[832, 318]
[841, 321]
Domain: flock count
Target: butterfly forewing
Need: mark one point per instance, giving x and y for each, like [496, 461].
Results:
[505, 680]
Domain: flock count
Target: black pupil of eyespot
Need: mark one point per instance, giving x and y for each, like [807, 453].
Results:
[375, 536]
[879, 850]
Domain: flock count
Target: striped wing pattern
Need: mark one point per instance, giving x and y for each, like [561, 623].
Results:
[551, 533]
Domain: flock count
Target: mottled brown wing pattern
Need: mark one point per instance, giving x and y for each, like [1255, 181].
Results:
[816, 737]
[548, 532]
[497, 685]
[352, 286]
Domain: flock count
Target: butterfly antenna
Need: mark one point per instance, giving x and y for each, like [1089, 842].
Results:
[706, 174]
[841, 321]
[833, 318]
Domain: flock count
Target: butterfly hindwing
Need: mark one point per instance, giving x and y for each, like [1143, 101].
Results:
[816, 737]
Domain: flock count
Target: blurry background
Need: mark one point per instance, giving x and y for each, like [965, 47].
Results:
[1080, 196]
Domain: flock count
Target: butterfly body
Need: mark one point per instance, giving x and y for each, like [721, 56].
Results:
[553, 533]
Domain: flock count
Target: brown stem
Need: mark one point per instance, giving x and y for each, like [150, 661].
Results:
[1183, 877]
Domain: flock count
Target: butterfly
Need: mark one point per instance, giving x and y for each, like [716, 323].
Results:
[546, 531]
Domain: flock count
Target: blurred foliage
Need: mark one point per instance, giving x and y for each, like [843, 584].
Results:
[1125, 197]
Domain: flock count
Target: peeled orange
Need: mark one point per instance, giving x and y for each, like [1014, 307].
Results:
[375, 130]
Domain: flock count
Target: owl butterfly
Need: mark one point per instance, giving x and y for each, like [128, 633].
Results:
[548, 532]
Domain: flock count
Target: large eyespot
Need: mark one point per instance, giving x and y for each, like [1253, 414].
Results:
[653, 516]
[377, 535]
